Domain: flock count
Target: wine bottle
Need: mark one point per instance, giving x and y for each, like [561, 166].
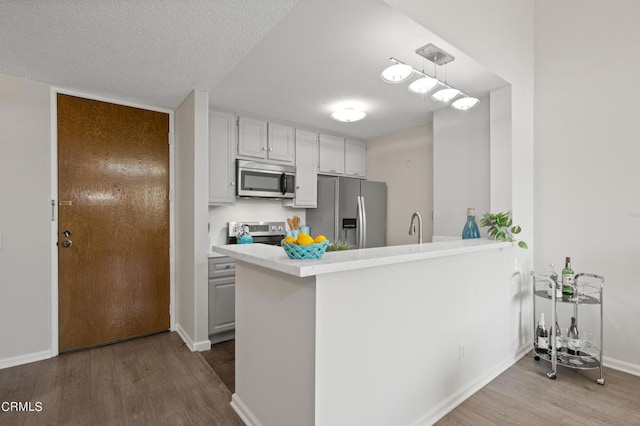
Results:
[470, 229]
[574, 338]
[542, 336]
[567, 278]
[558, 338]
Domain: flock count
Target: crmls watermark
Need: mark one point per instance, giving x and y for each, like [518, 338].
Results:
[7, 406]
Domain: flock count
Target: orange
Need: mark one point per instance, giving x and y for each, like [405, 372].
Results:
[304, 239]
[320, 238]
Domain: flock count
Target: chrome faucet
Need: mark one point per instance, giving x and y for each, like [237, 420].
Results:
[412, 226]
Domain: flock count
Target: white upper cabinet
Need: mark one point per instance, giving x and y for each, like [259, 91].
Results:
[222, 143]
[331, 154]
[280, 143]
[260, 140]
[306, 169]
[355, 158]
[252, 138]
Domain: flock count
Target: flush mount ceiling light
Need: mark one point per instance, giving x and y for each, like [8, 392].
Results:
[401, 72]
[465, 103]
[348, 115]
[397, 73]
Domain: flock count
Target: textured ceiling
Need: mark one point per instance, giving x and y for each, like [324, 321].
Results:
[154, 51]
[284, 59]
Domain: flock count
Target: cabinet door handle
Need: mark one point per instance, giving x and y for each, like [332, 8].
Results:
[270, 149]
[233, 184]
[264, 148]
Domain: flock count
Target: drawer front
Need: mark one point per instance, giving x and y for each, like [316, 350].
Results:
[221, 267]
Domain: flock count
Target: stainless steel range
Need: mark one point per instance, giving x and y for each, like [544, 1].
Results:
[262, 232]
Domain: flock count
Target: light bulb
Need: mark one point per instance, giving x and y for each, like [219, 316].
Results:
[397, 73]
[465, 103]
[445, 95]
[423, 85]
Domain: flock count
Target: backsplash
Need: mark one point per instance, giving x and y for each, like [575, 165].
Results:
[250, 210]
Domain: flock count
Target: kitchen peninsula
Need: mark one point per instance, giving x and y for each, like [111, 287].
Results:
[379, 336]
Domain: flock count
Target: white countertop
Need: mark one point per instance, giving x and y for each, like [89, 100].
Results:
[214, 254]
[274, 257]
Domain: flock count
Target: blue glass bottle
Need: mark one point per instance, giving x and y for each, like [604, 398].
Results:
[471, 227]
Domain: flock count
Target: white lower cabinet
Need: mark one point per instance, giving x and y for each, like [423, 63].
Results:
[222, 299]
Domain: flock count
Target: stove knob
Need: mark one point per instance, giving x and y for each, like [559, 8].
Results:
[273, 227]
[280, 228]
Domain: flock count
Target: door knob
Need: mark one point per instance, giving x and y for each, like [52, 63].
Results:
[67, 234]
[67, 243]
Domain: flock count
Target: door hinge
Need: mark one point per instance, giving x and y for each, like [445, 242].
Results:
[170, 141]
[53, 210]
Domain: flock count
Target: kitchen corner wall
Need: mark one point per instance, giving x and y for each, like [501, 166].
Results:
[250, 210]
[25, 221]
[404, 160]
[192, 188]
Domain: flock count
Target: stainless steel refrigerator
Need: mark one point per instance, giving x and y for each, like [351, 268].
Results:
[350, 210]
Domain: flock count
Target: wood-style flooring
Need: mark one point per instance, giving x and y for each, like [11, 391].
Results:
[523, 395]
[154, 380]
[222, 358]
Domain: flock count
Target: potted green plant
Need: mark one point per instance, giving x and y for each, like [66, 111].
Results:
[500, 227]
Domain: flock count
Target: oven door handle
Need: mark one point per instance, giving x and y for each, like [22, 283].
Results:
[283, 183]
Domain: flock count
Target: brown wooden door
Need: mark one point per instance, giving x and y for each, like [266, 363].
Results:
[113, 190]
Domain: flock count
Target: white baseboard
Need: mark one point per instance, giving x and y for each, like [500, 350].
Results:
[623, 366]
[243, 411]
[199, 346]
[24, 359]
[202, 345]
[185, 337]
[456, 399]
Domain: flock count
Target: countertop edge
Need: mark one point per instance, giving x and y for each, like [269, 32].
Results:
[274, 258]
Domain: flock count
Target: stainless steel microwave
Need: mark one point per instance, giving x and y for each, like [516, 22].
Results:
[256, 179]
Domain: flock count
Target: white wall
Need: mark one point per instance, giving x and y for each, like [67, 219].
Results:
[404, 160]
[249, 210]
[460, 167]
[500, 150]
[587, 150]
[25, 221]
[192, 245]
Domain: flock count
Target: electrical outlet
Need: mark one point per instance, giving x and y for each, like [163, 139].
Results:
[460, 352]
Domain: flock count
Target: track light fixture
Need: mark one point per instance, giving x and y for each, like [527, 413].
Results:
[399, 72]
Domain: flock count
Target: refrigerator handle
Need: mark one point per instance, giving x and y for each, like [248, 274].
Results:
[359, 223]
[364, 222]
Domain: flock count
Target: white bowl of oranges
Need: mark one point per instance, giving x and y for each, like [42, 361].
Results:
[305, 246]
